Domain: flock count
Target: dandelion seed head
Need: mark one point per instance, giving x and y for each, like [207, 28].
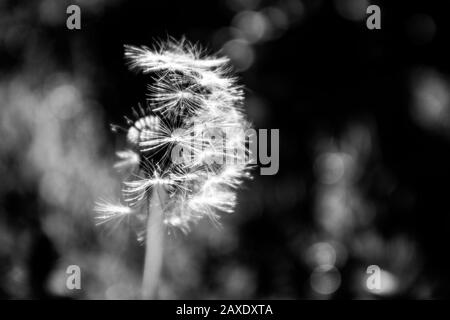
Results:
[195, 112]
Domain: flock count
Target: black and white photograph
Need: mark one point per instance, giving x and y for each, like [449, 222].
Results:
[231, 150]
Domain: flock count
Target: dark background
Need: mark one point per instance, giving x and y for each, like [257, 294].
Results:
[364, 149]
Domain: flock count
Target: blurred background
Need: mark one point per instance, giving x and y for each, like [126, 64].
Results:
[364, 119]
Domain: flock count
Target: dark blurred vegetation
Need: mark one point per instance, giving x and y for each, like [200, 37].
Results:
[364, 149]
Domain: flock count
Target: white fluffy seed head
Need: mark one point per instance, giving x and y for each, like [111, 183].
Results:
[195, 109]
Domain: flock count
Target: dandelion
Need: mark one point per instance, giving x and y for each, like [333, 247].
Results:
[187, 148]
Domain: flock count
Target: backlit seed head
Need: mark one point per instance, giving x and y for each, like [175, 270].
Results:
[194, 112]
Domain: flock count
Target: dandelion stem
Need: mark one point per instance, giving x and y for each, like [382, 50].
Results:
[154, 243]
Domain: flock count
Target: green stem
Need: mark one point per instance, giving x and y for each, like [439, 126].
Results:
[154, 243]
